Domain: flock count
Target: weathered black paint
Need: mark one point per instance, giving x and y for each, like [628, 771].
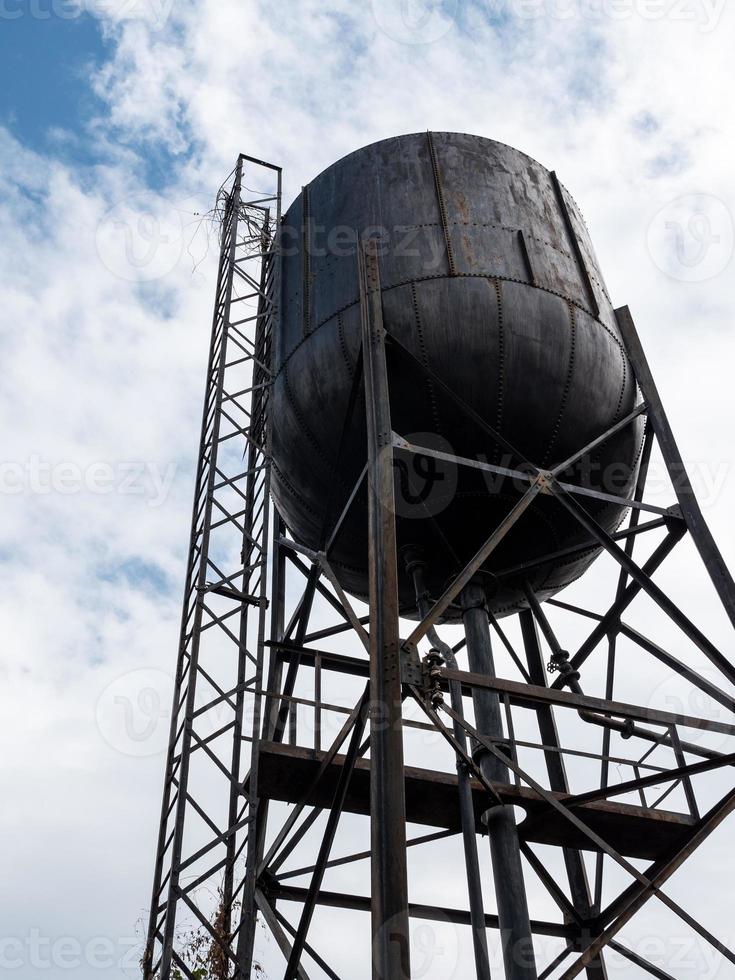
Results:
[494, 286]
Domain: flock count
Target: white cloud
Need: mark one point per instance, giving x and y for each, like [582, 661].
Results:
[103, 362]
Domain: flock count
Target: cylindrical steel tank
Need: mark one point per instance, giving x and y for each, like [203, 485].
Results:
[490, 282]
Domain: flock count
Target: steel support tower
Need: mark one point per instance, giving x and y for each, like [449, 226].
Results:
[265, 766]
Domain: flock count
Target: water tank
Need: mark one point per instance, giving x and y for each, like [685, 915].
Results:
[491, 283]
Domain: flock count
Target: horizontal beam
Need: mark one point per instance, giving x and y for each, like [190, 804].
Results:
[287, 773]
[401, 444]
[633, 785]
[432, 913]
[530, 695]
[260, 163]
[589, 545]
[357, 666]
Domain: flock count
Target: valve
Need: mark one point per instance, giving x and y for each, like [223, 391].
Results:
[560, 663]
[433, 663]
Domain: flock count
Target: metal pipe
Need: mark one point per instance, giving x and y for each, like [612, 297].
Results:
[576, 873]
[415, 567]
[570, 677]
[627, 728]
[510, 891]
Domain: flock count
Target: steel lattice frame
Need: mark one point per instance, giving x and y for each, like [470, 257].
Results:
[206, 806]
[244, 851]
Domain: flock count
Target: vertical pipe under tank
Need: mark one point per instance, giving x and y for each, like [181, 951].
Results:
[510, 889]
[415, 566]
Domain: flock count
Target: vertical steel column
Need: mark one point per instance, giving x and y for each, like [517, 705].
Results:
[259, 819]
[510, 890]
[389, 891]
[578, 884]
[415, 567]
[258, 448]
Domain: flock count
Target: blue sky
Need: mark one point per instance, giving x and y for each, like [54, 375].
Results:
[105, 306]
[45, 71]
[50, 99]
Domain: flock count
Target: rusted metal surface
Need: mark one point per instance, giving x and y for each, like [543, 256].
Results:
[510, 889]
[639, 893]
[531, 695]
[288, 771]
[389, 874]
[223, 624]
[489, 278]
[582, 904]
[429, 913]
[445, 653]
[474, 353]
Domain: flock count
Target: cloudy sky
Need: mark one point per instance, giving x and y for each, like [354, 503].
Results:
[118, 121]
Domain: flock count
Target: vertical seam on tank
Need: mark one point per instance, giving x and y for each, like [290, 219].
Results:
[442, 206]
[305, 261]
[624, 362]
[500, 407]
[343, 345]
[574, 242]
[425, 358]
[567, 383]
